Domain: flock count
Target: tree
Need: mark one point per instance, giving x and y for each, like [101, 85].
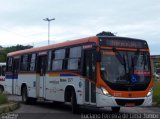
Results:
[6, 50]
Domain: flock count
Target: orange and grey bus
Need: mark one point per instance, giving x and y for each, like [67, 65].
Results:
[101, 71]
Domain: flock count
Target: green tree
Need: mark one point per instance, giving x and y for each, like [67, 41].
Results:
[5, 50]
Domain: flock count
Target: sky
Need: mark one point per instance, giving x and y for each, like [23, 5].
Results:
[21, 21]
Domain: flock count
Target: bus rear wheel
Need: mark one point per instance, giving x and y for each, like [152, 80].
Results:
[75, 106]
[24, 95]
[115, 109]
[1, 89]
[25, 98]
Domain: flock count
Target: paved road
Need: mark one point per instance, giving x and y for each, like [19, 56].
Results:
[49, 110]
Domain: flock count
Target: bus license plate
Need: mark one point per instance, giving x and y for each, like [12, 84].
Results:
[129, 105]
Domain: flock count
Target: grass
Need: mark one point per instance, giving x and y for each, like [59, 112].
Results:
[3, 98]
[156, 92]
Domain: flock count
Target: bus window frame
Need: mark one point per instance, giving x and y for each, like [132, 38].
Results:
[53, 59]
[79, 71]
[11, 65]
[28, 62]
[3, 71]
[79, 58]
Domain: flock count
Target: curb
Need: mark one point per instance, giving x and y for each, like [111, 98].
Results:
[4, 108]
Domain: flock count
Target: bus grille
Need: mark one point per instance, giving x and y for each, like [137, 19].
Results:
[123, 102]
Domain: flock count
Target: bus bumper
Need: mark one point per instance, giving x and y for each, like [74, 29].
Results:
[106, 101]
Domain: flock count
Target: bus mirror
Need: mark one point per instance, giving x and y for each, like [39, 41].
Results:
[98, 57]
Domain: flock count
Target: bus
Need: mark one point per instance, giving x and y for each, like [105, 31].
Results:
[2, 76]
[99, 71]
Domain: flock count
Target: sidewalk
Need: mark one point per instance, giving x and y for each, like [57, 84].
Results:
[10, 106]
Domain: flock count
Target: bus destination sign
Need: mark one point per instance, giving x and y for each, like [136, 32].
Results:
[123, 43]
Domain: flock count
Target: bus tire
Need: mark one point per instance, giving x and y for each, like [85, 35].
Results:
[115, 109]
[25, 98]
[1, 89]
[75, 106]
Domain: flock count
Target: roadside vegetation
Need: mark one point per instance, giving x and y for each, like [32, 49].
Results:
[3, 98]
[3, 57]
[5, 50]
[156, 92]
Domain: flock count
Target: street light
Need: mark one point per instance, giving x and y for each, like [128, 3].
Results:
[47, 19]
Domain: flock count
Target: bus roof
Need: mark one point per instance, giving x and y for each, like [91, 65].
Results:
[73, 42]
[58, 45]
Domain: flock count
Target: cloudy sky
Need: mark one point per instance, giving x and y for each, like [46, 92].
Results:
[21, 21]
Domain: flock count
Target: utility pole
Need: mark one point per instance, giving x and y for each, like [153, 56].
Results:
[49, 20]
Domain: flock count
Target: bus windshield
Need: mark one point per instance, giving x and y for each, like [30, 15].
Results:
[125, 67]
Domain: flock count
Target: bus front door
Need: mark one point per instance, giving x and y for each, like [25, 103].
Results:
[41, 70]
[90, 73]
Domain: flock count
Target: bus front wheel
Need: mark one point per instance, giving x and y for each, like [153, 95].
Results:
[115, 109]
[75, 106]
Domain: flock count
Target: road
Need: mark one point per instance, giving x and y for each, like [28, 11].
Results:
[49, 110]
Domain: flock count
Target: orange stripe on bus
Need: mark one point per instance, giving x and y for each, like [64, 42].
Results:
[108, 53]
[108, 48]
[67, 43]
[64, 73]
[128, 49]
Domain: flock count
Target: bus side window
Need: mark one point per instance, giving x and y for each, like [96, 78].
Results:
[32, 62]
[24, 61]
[57, 59]
[74, 60]
[3, 69]
[49, 60]
[27, 62]
[9, 64]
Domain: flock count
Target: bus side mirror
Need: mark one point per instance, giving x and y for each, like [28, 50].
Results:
[98, 56]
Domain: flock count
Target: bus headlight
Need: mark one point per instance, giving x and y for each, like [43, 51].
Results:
[149, 93]
[105, 92]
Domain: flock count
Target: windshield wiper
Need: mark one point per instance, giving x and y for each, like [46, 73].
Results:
[132, 65]
[125, 61]
[125, 66]
[134, 60]
[144, 60]
[120, 58]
